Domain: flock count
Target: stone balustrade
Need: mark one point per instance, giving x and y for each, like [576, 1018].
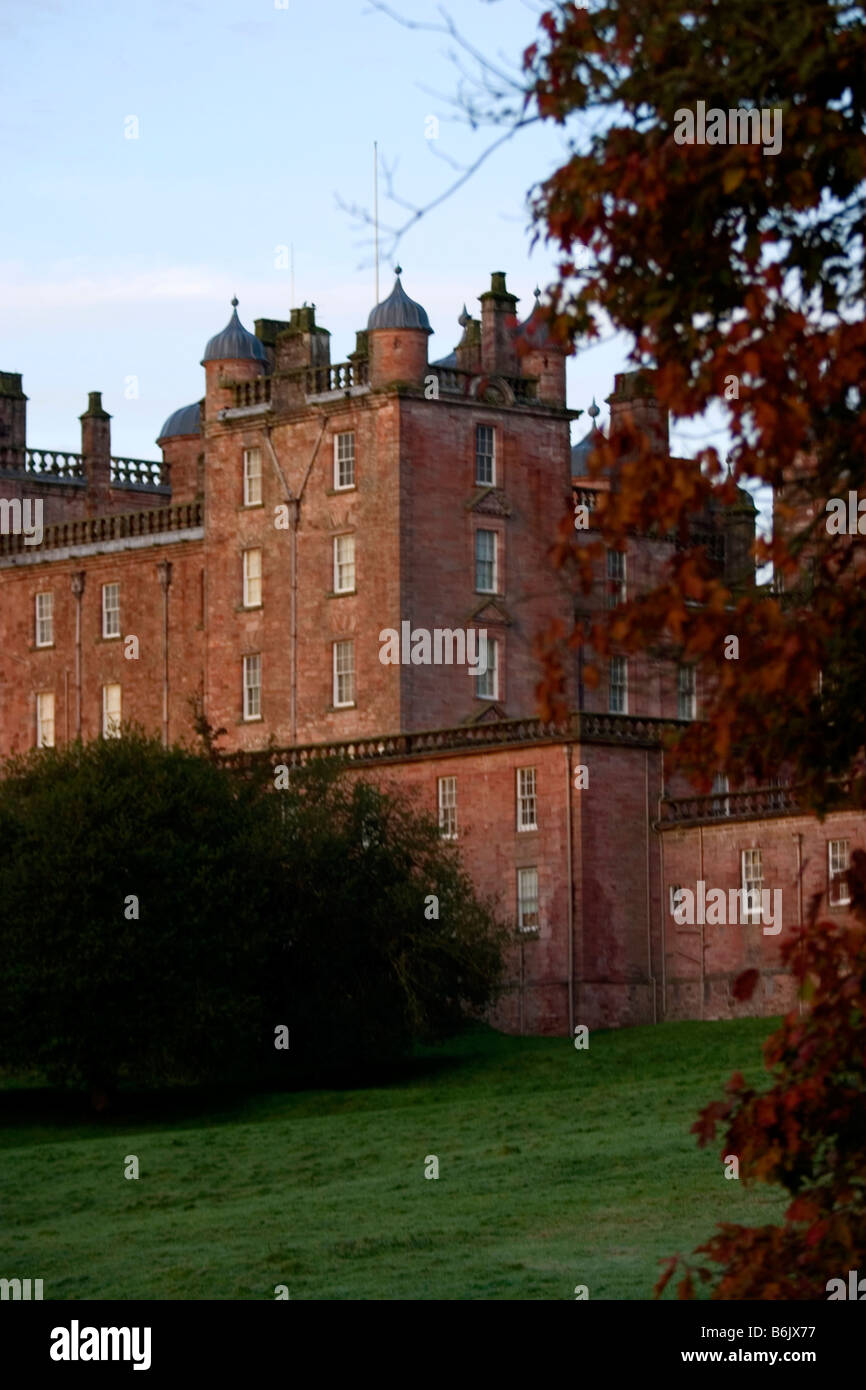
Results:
[137, 472]
[747, 805]
[336, 376]
[249, 393]
[52, 465]
[579, 728]
[94, 530]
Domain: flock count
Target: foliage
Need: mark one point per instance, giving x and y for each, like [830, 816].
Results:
[256, 908]
[366, 968]
[725, 264]
[807, 1132]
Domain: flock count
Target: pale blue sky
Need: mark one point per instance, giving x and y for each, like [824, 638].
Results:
[119, 256]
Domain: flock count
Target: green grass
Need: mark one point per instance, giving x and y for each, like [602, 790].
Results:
[557, 1168]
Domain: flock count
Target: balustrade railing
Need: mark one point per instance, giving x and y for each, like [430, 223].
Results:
[754, 804]
[136, 472]
[336, 376]
[93, 530]
[48, 465]
[255, 392]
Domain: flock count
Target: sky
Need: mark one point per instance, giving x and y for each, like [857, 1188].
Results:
[160, 156]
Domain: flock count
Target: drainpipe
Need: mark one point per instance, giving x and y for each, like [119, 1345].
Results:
[798, 838]
[703, 929]
[294, 505]
[649, 942]
[77, 586]
[662, 895]
[570, 874]
[164, 571]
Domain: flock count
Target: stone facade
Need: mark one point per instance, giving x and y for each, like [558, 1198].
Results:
[307, 509]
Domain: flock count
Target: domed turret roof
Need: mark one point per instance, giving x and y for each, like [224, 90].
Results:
[185, 420]
[581, 451]
[234, 341]
[399, 311]
[535, 330]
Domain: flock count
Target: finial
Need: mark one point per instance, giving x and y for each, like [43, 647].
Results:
[593, 411]
[537, 293]
[464, 318]
[398, 270]
[234, 301]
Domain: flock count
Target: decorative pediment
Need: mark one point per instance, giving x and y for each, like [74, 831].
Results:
[490, 714]
[495, 390]
[489, 501]
[491, 611]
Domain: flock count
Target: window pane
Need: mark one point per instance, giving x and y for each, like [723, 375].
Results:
[487, 685]
[111, 610]
[485, 561]
[527, 899]
[618, 685]
[252, 477]
[252, 578]
[344, 460]
[344, 673]
[253, 686]
[111, 713]
[485, 467]
[45, 719]
[527, 805]
[448, 807]
[44, 620]
[344, 564]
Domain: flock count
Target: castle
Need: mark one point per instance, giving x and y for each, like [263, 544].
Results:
[307, 514]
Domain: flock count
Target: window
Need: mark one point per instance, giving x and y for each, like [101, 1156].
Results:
[45, 719]
[253, 686]
[485, 562]
[111, 610]
[111, 711]
[344, 673]
[344, 564]
[448, 808]
[837, 869]
[615, 577]
[776, 794]
[44, 620]
[527, 803]
[487, 685]
[721, 806]
[252, 578]
[618, 686]
[252, 477]
[753, 882]
[686, 693]
[344, 460]
[485, 456]
[527, 899]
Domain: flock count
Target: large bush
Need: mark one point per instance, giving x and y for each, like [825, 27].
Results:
[161, 915]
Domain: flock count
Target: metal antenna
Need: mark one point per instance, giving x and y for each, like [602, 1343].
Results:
[376, 209]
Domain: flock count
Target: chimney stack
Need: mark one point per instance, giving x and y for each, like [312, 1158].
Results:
[498, 321]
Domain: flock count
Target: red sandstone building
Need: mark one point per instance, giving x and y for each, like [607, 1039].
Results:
[301, 510]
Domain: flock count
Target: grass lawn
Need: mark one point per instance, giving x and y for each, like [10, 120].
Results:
[556, 1168]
